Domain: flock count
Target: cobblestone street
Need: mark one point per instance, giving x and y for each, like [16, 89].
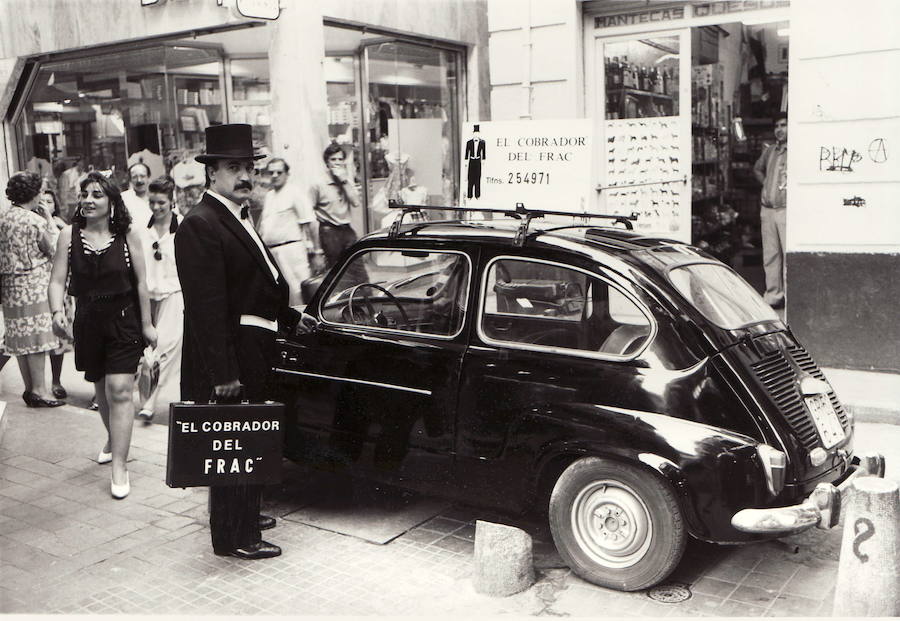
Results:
[68, 547]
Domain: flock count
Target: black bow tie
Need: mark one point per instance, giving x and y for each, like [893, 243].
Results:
[245, 212]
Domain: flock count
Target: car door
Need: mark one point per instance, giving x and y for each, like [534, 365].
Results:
[374, 387]
[548, 335]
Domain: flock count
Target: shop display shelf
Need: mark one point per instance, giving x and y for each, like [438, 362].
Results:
[639, 92]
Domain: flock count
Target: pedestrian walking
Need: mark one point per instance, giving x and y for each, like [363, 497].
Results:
[234, 298]
[286, 228]
[166, 301]
[26, 245]
[50, 203]
[103, 258]
[771, 171]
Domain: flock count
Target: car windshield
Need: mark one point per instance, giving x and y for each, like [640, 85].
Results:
[722, 296]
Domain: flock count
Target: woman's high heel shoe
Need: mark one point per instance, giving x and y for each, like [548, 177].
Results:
[103, 457]
[119, 491]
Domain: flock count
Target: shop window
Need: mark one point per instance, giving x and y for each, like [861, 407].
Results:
[394, 104]
[642, 77]
[148, 102]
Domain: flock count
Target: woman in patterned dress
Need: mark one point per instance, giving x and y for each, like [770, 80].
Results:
[49, 202]
[26, 240]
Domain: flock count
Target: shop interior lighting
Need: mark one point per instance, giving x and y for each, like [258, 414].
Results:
[784, 32]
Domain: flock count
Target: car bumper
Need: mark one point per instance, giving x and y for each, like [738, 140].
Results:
[822, 508]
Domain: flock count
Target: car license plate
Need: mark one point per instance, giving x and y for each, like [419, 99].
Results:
[826, 419]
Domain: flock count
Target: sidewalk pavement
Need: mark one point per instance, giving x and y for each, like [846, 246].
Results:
[872, 397]
[68, 547]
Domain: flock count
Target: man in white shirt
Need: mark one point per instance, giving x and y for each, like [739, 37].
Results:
[136, 198]
[285, 226]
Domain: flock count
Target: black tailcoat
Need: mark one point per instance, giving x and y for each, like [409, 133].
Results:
[224, 275]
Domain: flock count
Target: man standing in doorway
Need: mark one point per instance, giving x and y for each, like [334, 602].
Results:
[771, 171]
[136, 198]
[475, 152]
[234, 300]
[332, 202]
[286, 228]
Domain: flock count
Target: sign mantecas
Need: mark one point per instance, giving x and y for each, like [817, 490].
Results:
[544, 164]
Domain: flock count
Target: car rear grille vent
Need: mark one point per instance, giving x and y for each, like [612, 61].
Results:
[777, 375]
[803, 360]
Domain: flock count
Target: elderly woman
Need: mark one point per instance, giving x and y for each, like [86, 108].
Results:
[104, 260]
[26, 241]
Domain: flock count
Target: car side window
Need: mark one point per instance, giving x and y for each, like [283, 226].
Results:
[544, 304]
[417, 291]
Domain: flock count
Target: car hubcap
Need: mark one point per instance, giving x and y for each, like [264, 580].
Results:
[611, 524]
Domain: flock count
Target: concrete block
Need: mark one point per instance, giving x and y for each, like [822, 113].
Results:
[503, 560]
[868, 582]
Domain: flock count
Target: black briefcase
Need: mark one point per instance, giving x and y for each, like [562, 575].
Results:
[224, 444]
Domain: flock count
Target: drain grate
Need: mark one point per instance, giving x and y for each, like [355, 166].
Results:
[670, 593]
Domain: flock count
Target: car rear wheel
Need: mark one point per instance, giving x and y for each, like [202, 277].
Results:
[616, 525]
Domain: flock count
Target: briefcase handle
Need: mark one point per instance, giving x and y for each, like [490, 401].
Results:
[242, 394]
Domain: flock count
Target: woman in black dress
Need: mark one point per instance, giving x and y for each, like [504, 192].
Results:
[104, 260]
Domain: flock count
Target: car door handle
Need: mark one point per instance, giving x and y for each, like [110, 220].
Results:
[503, 327]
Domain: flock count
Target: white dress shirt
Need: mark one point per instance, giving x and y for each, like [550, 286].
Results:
[138, 207]
[235, 210]
[162, 275]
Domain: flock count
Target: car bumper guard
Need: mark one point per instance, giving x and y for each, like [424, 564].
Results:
[822, 508]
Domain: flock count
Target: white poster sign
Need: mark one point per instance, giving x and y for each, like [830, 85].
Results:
[645, 174]
[546, 165]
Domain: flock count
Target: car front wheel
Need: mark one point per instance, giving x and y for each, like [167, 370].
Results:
[616, 525]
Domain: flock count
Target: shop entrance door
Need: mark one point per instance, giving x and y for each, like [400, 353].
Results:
[410, 92]
[645, 147]
[394, 105]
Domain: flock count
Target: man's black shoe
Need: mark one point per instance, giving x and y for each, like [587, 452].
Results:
[258, 550]
[266, 522]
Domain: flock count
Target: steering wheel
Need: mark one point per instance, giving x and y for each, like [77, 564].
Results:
[371, 319]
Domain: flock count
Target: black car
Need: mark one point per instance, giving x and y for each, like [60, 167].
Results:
[635, 390]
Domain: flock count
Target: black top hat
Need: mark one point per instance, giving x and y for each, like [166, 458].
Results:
[233, 141]
[475, 128]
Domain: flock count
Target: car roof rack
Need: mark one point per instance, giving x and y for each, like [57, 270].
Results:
[520, 213]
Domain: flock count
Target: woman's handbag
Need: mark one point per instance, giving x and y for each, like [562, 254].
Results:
[224, 444]
[148, 373]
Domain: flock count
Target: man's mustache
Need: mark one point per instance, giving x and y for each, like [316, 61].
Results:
[243, 185]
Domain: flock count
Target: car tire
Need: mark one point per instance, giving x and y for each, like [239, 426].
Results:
[616, 525]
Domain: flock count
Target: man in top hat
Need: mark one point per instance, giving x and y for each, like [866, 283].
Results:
[234, 300]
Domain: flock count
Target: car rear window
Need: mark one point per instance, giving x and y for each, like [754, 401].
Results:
[720, 295]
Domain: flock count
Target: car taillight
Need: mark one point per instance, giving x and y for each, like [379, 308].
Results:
[774, 463]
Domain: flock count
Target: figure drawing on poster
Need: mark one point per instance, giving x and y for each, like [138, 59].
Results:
[475, 152]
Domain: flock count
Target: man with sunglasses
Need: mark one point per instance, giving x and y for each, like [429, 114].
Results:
[285, 226]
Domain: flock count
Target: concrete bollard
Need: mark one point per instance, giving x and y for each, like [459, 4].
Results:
[503, 563]
[868, 582]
